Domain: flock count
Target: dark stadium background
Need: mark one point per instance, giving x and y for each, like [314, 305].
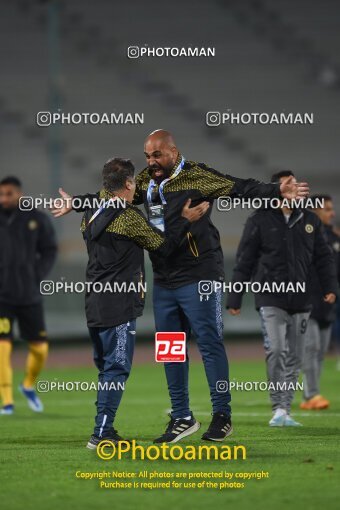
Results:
[280, 56]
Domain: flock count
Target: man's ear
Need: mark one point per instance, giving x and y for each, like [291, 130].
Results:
[129, 183]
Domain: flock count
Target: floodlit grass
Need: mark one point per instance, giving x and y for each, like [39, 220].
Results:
[40, 454]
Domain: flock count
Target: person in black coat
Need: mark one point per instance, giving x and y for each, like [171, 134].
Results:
[278, 248]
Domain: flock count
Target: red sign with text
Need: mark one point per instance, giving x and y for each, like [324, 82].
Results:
[170, 346]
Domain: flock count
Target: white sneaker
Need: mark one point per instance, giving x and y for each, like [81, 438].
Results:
[9, 409]
[33, 400]
[289, 422]
[278, 419]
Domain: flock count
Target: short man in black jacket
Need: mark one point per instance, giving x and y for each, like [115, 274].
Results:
[115, 236]
[279, 246]
[28, 252]
[168, 180]
[322, 316]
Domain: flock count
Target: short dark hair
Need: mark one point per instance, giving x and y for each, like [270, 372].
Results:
[314, 198]
[116, 171]
[284, 173]
[12, 181]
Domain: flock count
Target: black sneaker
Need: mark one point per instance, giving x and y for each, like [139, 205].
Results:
[219, 428]
[111, 436]
[177, 429]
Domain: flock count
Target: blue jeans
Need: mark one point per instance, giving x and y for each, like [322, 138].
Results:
[113, 353]
[182, 310]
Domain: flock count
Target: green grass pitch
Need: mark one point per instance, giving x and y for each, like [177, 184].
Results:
[39, 454]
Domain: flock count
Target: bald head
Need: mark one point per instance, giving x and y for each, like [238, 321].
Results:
[162, 137]
[161, 153]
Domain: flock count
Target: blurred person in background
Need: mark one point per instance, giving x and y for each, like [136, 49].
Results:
[279, 245]
[28, 252]
[336, 326]
[323, 314]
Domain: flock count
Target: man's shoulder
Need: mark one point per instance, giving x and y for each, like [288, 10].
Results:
[128, 218]
[34, 220]
[132, 211]
[35, 215]
[199, 167]
[259, 216]
[310, 217]
[25, 214]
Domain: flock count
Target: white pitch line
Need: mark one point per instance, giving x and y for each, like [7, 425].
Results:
[79, 402]
[323, 414]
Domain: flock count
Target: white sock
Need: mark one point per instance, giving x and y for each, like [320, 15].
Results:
[280, 412]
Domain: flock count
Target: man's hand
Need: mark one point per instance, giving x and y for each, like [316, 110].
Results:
[62, 205]
[329, 298]
[289, 188]
[234, 311]
[194, 213]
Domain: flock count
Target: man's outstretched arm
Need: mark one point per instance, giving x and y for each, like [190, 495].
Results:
[80, 203]
[215, 185]
[134, 225]
[67, 203]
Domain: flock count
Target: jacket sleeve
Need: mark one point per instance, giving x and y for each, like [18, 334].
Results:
[133, 224]
[246, 259]
[251, 188]
[337, 258]
[46, 246]
[324, 261]
[81, 202]
[216, 184]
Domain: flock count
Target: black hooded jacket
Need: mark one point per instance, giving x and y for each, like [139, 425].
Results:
[115, 240]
